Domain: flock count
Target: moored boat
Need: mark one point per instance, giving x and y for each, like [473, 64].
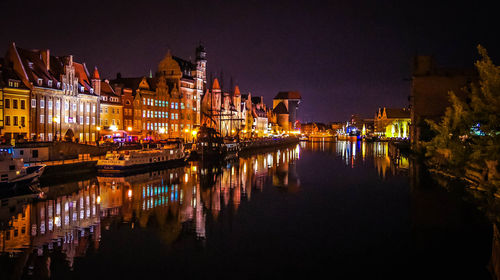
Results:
[14, 173]
[129, 160]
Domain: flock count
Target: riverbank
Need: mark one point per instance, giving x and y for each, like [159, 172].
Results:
[87, 165]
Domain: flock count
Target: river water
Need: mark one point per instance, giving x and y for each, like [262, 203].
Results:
[337, 210]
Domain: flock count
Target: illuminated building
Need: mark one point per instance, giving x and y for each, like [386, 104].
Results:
[63, 103]
[14, 106]
[392, 123]
[285, 106]
[111, 110]
[167, 105]
[259, 112]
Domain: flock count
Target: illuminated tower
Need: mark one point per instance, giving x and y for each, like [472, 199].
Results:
[200, 77]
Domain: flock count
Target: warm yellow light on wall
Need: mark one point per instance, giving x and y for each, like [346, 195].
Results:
[161, 130]
[186, 130]
[129, 128]
[98, 128]
[194, 132]
[113, 128]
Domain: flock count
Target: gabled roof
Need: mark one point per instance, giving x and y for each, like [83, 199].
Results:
[82, 74]
[280, 109]
[288, 95]
[397, 113]
[32, 65]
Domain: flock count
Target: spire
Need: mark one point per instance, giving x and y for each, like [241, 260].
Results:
[150, 73]
[236, 90]
[215, 85]
[96, 75]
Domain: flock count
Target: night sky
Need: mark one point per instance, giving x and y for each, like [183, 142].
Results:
[344, 57]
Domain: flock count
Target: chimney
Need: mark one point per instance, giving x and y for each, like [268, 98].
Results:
[46, 58]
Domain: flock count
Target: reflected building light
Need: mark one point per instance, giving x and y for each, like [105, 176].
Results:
[129, 193]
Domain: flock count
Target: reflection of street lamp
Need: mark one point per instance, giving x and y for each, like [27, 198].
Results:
[129, 128]
[186, 131]
[98, 137]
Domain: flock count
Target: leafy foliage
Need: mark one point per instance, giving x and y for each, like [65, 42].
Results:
[468, 136]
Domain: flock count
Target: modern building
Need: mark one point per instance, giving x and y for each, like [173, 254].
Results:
[285, 106]
[63, 104]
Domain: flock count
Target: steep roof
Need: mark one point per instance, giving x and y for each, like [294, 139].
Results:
[186, 65]
[216, 85]
[288, 95]
[397, 113]
[280, 109]
[32, 65]
[256, 99]
[96, 74]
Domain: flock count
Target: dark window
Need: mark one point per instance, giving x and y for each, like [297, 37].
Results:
[7, 120]
[21, 152]
[14, 103]
[12, 167]
[23, 121]
[34, 153]
[15, 120]
[23, 104]
[7, 103]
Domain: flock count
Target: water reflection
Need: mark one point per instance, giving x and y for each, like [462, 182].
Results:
[354, 153]
[171, 202]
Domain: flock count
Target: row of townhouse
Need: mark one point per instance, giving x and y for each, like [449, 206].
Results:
[54, 98]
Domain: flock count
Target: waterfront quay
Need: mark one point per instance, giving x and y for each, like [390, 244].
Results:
[304, 209]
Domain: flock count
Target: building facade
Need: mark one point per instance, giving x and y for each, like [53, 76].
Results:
[392, 123]
[63, 104]
[14, 108]
[285, 106]
[430, 89]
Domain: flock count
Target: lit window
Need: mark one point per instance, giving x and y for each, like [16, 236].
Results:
[93, 108]
[42, 103]
[81, 107]
[58, 104]
[49, 83]
[88, 107]
[93, 120]
[49, 104]
[42, 118]
[88, 120]
[33, 103]
[81, 119]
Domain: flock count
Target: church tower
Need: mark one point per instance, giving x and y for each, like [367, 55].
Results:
[96, 81]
